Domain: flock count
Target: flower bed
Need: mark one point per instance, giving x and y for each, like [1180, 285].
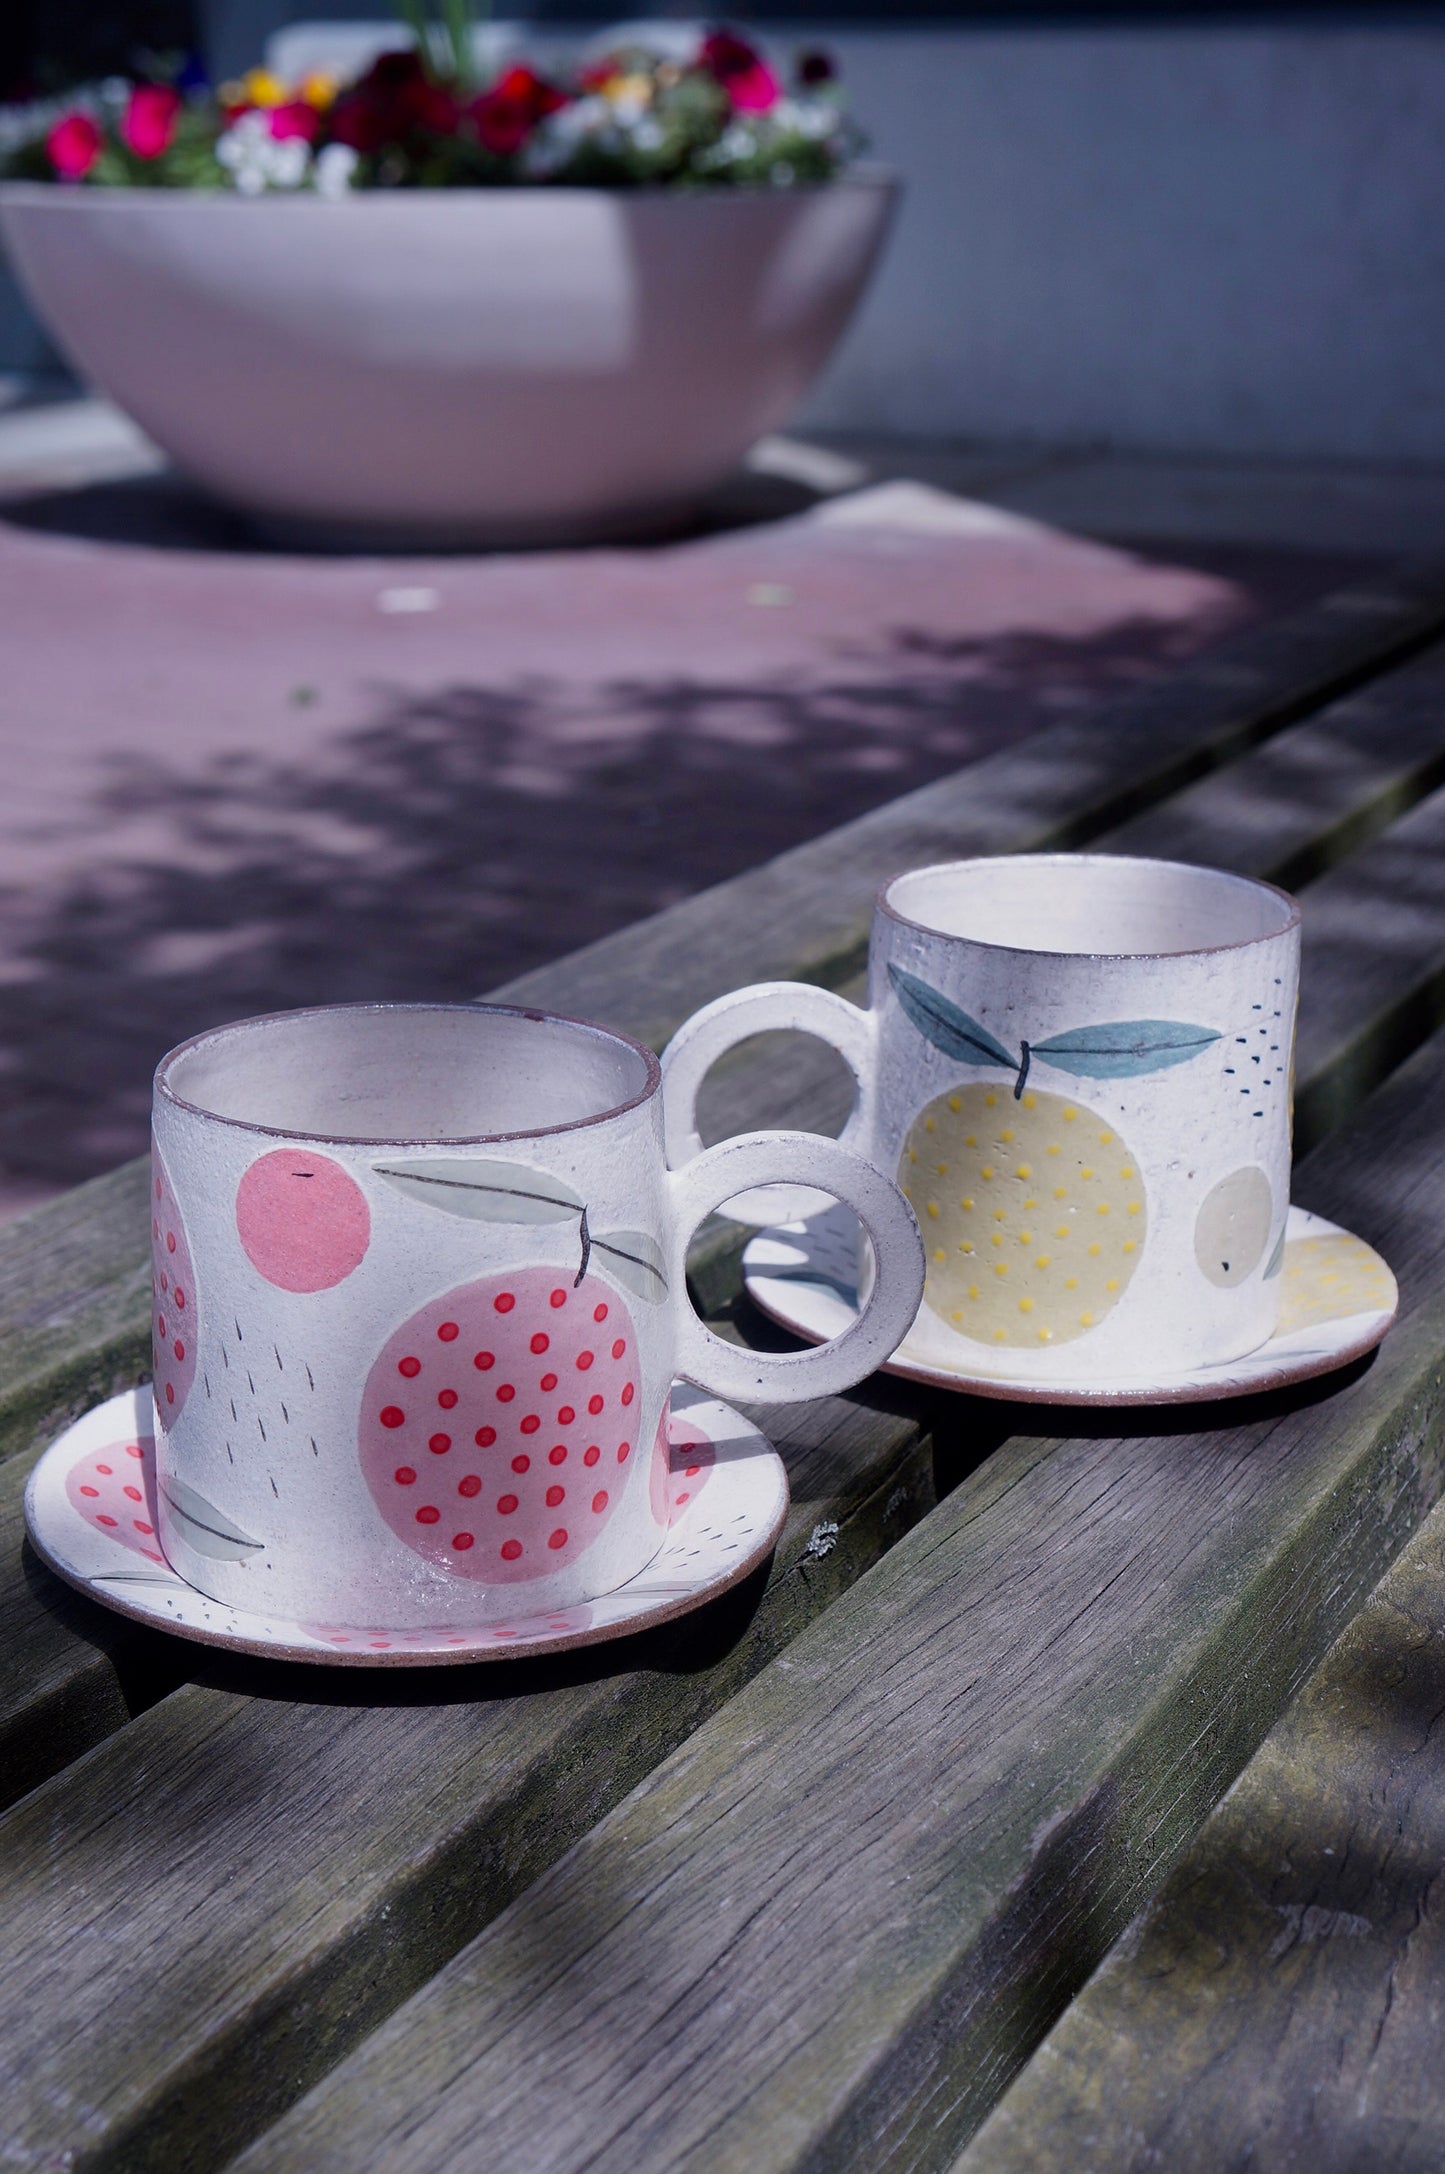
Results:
[419, 118]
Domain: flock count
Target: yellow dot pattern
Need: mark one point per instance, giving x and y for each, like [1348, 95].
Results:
[1326, 1279]
[972, 1193]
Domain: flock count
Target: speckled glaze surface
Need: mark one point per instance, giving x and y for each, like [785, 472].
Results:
[419, 1303]
[1338, 1300]
[1079, 1069]
[90, 1508]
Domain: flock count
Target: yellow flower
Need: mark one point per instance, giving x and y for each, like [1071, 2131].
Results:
[318, 88]
[260, 88]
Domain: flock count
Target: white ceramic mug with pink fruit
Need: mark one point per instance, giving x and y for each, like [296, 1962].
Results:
[1080, 1067]
[419, 1304]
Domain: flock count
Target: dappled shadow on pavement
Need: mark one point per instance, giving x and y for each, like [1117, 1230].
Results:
[459, 838]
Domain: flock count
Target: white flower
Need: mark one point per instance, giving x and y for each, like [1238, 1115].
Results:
[332, 172]
[647, 134]
[256, 160]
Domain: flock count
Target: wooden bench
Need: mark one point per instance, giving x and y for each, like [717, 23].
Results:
[812, 1878]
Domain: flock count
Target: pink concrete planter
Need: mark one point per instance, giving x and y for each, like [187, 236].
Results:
[499, 365]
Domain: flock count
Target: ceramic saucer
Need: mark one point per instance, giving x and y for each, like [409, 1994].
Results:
[1337, 1300]
[90, 1509]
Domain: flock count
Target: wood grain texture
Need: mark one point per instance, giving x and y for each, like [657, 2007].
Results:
[74, 1305]
[1280, 2006]
[826, 1931]
[265, 1863]
[72, 1278]
[66, 1679]
[805, 915]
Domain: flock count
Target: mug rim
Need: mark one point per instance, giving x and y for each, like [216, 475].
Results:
[166, 1092]
[883, 904]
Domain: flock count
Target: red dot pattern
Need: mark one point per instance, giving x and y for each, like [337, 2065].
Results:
[173, 1358]
[682, 1463]
[114, 1489]
[494, 1498]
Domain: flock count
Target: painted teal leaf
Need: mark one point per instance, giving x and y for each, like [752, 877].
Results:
[1276, 1259]
[1124, 1048]
[940, 1021]
[635, 1260]
[209, 1530]
[484, 1190]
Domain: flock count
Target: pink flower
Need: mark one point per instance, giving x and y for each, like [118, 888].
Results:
[296, 118]
[73, 146]
[149, 120]
[749, 82]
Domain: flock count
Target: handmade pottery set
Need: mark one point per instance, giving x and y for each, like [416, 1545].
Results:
[427, 1382]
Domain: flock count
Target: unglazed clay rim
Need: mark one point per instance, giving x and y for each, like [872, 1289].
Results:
[664, 1610]
[885, 905]
[651, 1084]
[1186, 1389]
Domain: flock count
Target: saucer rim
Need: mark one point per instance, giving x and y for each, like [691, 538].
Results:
[1178, 1389]
[666, 1610]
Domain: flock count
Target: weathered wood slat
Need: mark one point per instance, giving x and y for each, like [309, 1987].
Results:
[308, 1855]
[74, 1288]
[826, 1931]
[1279, 812]
[72, 1282]
[69, 1673]
[805, 915]
[1281, 2004]
[1350, 1031]
[1308, 797]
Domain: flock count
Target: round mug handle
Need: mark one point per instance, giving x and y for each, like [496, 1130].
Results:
[756, 1158]
[789, 1006]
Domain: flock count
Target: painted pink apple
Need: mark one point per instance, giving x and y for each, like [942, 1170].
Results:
[174, 1305]
[114, 1489]
[302, 1220]
[682, 1462]
[497, 1423]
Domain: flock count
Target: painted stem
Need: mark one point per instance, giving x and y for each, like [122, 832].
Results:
[1024, 1062]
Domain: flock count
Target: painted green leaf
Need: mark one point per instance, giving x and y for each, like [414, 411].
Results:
[636, 1262]
[209, 1530]
[485, 1191]
[940, 1021]
[1276, 1259]
[1124, 1048]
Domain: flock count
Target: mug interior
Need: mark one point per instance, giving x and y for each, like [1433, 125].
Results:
[388, 1074]
[1090, 905]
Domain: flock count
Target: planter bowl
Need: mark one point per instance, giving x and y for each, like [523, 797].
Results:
[434, 366]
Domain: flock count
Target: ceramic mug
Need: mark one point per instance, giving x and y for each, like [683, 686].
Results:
[419, 1301]
[1079, 1066]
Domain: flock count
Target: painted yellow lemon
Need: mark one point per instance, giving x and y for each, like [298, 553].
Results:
[1032, 1212]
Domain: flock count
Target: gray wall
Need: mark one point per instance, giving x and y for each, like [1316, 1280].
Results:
[1215, 239]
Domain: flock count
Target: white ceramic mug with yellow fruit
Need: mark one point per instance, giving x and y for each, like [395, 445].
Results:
[1079, 1068]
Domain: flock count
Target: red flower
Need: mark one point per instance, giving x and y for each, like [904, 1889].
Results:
[749, 82]
[506, 115]
[392, 101]
[296, 118]
[149, 120]
[73, 146]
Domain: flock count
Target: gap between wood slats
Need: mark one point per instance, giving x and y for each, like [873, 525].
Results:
[827, 1931]
[1277, 2006]
[73, 1278]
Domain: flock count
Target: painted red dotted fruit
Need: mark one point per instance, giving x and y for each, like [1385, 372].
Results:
[114, 1490]
[174, 1305]
[302, 1220]
[526, 1476]
[682, 1463]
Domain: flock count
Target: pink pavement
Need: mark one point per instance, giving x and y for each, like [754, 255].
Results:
[238, 780]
